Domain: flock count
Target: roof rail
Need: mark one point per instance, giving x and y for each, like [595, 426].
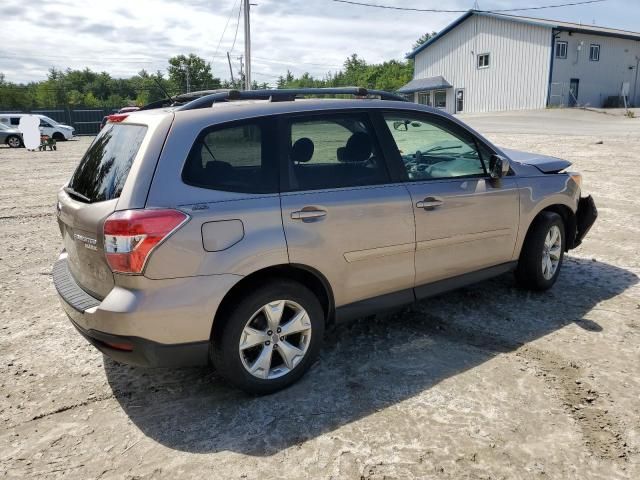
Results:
[282, 95]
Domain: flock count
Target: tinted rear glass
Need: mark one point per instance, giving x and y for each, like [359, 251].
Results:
[233, 158]
[105, 167]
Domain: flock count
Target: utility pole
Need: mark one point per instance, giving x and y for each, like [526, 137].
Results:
[247, 46]
[186, 67]
[230, 69]
[241, 72]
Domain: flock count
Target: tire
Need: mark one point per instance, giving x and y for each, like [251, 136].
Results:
[57, 136]
[235, 363]
[531, 273]
[14, 141]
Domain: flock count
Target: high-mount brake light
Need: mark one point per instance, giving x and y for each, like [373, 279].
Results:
[117, 117]
[131, 235]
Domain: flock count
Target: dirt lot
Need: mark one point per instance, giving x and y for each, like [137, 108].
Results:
[488, 382]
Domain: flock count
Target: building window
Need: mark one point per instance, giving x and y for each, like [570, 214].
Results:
[440, 99]
[594, 53]
[459, 100]
[483, 60]
[424, 98]
[561, 49]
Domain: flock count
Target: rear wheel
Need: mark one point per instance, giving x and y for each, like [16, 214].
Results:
[542, 253]
[270, 339]
[14, 141]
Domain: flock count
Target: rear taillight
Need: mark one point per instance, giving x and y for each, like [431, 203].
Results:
[117, 117]
[131, 235]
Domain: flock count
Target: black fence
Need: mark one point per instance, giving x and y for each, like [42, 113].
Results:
[85, 120]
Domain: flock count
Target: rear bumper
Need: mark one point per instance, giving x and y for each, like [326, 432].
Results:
[146, 353]
[159, 323]
[585, 217]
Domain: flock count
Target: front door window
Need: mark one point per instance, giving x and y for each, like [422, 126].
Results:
[433, 151]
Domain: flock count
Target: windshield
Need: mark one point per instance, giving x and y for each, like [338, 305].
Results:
[48, 120]
[103, 170]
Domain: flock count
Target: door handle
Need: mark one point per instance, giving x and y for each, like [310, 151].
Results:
[430, 203]
[308, 214]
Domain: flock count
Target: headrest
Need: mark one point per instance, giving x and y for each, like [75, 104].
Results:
[302, 150]
[216, 167]
[358, 148]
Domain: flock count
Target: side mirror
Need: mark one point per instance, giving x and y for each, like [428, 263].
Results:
[401, 125]
[498, 166]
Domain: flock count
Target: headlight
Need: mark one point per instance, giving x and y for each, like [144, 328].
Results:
[576, 177]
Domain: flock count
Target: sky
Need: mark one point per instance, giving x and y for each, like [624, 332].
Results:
[316, 36]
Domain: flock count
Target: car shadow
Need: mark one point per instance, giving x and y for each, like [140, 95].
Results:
[364, 366]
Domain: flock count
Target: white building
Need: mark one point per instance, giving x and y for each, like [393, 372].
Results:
[487, 62]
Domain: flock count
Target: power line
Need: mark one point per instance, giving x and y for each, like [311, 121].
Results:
[438, 10]
[237, 27]
[225, 27]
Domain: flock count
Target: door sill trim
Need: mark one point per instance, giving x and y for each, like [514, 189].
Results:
[453, 283]
[394, 300]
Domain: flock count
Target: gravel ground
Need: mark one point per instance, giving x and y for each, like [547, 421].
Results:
[487, 382]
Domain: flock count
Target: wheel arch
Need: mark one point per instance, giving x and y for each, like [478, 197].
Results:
[303, 274]
[568, 217]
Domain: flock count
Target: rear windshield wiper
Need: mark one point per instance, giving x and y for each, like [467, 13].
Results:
[77, 195]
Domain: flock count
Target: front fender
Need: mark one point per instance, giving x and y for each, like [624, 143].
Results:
[539, 193]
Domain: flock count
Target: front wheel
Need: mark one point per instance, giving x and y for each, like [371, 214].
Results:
[270, 339]
[542, 253]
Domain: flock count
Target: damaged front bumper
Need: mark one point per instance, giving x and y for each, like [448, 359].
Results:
[585, 217]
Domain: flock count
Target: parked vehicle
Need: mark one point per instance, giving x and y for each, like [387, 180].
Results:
[232, 231]
[10, 136]
[48, 126]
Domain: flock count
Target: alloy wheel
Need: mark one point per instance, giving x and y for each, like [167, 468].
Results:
[551, 252]
[275, 339]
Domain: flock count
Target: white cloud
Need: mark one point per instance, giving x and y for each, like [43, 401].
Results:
[124, 36]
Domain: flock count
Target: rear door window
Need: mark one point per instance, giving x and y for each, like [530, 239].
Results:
[103, 170]
[234, 158]
[334, 151]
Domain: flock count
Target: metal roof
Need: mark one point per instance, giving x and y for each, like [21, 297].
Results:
[554, 24]
[422, 84]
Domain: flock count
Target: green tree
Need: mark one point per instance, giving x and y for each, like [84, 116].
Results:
[200, 76]
[424, 38]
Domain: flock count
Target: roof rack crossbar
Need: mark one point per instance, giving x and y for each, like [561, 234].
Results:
[276, 95]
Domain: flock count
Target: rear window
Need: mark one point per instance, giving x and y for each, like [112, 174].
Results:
[233, 158]
[105, 167]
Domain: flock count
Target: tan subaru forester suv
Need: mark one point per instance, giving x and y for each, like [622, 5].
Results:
[234, 228]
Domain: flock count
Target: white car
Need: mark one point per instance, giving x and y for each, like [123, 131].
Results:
[48, 126]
